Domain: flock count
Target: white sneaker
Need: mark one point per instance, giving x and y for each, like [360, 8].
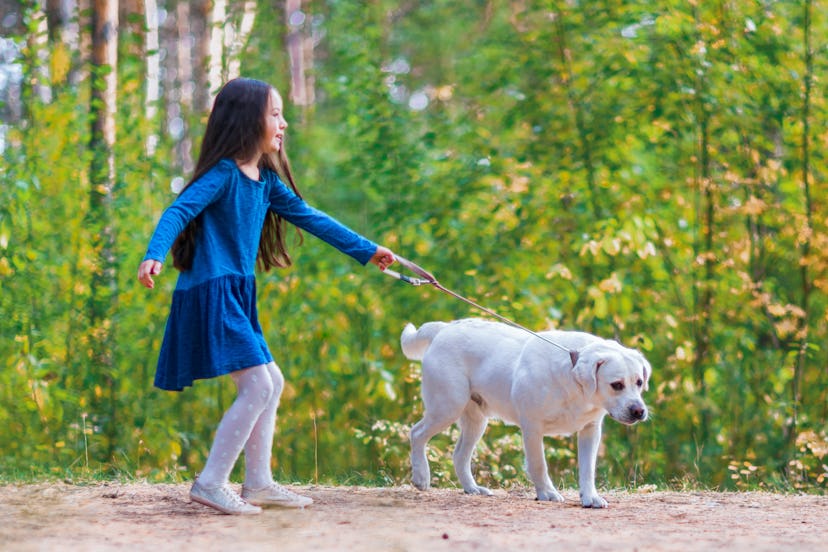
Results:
[275, 495]
[223, 499]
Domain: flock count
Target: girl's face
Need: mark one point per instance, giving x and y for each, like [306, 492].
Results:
[275, 124]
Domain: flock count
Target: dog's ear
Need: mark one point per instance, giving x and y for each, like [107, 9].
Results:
[640, 361]
[586, 372]
[648, 370]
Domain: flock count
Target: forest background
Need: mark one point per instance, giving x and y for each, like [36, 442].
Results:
[652, 172]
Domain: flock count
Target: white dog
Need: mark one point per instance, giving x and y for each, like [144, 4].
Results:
[474, 370]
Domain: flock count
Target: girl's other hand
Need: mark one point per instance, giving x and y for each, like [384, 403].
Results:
[146, 271]
[383, 258]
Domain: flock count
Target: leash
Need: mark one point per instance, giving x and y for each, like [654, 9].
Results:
[426, 278]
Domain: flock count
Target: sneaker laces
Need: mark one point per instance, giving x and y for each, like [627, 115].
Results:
[231, 496]
[278, 489]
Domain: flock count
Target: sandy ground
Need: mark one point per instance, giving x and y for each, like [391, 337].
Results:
[114, 516]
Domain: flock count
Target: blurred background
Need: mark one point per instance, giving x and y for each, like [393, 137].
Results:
[652, 172]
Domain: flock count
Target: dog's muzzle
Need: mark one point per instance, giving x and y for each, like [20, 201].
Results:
[632, 414]
[638, 412]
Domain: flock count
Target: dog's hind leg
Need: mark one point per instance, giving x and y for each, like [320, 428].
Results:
[434, 421]
[472, 426]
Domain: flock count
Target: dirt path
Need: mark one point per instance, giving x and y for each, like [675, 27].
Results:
[160, 517]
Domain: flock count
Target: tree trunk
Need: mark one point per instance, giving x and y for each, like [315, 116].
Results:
[807, 231]
[704, 284]
[202, 95]
[103, 288]
[300, 49]
[236, 38]
[216, 71]
[153, 84]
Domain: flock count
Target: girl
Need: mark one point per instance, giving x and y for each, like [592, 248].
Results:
[230, 216]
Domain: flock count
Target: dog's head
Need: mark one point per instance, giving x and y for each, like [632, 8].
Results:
[614, 376]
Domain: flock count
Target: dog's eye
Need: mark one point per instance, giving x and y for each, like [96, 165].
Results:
[617, 385]
[639, 383]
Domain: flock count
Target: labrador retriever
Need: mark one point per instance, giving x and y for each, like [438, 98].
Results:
[474, 369]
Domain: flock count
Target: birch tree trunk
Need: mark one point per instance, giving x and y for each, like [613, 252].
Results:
[215, 71]
[300, 49]
[103, 286]
[153, 84]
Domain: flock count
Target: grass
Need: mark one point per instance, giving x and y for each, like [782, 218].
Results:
[78, 473]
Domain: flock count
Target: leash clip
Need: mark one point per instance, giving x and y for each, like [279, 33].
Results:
[406, 279]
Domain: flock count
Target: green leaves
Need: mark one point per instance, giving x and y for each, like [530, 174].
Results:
[634, 170]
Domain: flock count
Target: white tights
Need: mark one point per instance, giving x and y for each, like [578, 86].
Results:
[248, 424]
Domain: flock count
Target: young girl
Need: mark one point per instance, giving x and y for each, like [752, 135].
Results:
[229, 216]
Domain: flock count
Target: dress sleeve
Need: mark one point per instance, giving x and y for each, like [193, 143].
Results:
[285, 203]
[189, 203]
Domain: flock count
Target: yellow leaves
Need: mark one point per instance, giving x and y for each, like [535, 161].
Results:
[14, 137]
[519, 184]
[422, 247]
[5, 267]
[684, 352]
[388, 352]
[817, 444]
[648, 250]
[789, 317]
[444, 93]
[630, 239]
[611, 284]
[600, 305]
[559, 270]
[754, 206]
[786, 328]
[741, 472]
[60, 62]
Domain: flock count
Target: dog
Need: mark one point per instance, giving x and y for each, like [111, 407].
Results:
[473, 370]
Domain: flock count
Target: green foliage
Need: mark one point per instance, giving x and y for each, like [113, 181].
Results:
[632, 169]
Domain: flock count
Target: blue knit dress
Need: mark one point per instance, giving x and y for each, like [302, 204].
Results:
[213, 327]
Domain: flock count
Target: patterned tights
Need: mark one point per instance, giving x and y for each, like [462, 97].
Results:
[248, 424]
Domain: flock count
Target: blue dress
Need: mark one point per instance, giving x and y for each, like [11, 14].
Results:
[213, 327]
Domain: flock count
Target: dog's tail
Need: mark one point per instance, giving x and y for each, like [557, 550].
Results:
[415, 342]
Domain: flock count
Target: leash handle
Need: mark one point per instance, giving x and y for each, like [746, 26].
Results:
[416, 269]
[427, 277]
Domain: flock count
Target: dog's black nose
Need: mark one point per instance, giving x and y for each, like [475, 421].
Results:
[638, 412]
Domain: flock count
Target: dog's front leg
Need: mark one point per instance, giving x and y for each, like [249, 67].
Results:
[589, 438]
[536, 463]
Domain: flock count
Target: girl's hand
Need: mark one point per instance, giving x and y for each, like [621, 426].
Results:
[383, 258]
[146, 271]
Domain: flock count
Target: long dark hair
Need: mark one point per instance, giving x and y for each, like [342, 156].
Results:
[234, 131]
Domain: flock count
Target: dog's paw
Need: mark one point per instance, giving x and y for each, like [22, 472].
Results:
[550, 496]
[593, 501]
[420, 485]
[478, 490]
[421, 481]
